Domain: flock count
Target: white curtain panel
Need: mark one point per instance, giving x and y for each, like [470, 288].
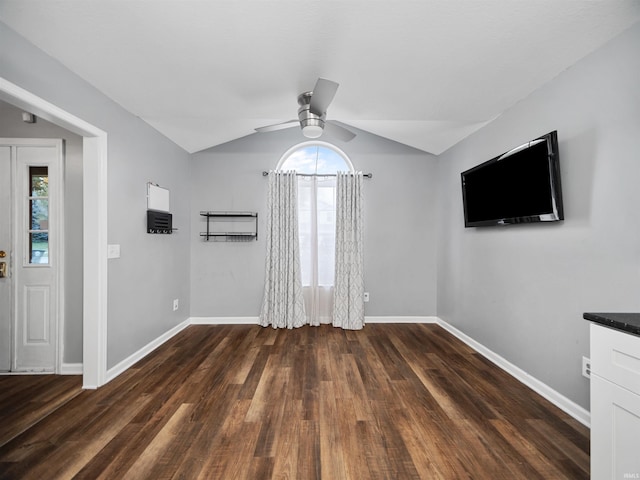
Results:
[316, 220]
[348, 302]
[283, 302]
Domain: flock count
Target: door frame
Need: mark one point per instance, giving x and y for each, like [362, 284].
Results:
[94, 179]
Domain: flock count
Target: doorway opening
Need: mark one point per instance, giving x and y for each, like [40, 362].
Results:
[94, 179]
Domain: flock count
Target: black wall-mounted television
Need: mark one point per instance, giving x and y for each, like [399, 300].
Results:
[519, 186]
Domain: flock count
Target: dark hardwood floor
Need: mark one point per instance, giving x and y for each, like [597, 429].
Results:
[27, 399]
[246, 402]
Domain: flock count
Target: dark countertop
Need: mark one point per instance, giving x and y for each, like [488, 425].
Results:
[625, 322]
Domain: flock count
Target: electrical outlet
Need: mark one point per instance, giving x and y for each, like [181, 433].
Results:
[176, 303]
[366, 296]
[586, 367]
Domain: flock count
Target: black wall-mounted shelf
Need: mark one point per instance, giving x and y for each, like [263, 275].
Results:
[159, 222]
[235, 219]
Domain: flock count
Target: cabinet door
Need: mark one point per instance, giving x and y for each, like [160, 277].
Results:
[615, 426]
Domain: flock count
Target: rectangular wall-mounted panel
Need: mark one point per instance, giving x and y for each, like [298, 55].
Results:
[157, 198]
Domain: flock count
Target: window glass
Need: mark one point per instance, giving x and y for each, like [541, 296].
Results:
[38, 232]
[316, 208]
[315, 159]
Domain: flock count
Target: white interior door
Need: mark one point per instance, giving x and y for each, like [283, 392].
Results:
[36, 266]
[6, 247]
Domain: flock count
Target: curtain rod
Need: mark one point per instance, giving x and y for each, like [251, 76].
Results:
[365, 175]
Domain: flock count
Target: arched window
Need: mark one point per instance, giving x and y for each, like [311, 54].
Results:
[316, 164]
[318, 158]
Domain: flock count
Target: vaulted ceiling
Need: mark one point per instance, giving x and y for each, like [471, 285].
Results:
[424, 73]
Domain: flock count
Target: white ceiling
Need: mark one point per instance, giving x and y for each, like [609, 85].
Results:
[424, 73]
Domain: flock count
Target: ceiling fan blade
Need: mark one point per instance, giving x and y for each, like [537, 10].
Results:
[323, 94]
[278, 126]
[338, 132]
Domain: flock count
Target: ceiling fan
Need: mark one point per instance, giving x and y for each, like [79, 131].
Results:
[312, 113]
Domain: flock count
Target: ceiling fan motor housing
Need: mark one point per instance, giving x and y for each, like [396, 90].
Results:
[306, 117]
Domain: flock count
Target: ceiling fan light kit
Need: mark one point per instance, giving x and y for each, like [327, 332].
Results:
[312, 131]
[312, 113]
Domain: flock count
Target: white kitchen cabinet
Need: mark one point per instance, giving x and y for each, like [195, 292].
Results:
[615, 404]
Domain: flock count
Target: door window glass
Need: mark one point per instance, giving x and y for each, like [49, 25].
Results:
[39, 215]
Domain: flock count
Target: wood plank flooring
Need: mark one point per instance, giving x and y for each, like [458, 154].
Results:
[27, 399]
[246, 402]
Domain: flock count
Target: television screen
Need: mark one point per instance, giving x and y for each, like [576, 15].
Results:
[519, 186]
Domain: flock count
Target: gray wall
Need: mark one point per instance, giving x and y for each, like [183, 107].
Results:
[400, 213]
[153, 269]
[521, 290]
[11, 125]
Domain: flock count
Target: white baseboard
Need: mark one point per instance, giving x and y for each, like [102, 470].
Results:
[15, 374]
[559, 400]
[65, 369]
[144, 351]
[368, 319]
[224, 320]
[71, 369]
[256, 320]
